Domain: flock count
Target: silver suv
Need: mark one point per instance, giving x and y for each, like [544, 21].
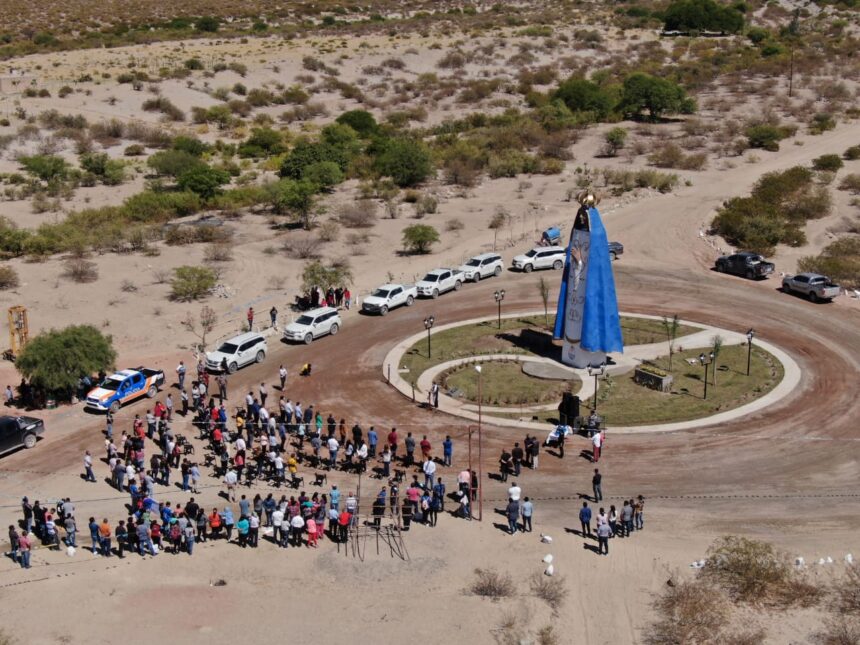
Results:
[542, 257]
[482, 266]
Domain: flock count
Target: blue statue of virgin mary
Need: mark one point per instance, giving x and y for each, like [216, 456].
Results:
[587, 314]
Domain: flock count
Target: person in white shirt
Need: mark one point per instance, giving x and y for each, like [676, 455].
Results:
[596, 442]
[230, 480]
[180, 372]
[297, 524]
[254, 530]
[298, 411]
[333, 445]
[264, 417]
[361, 453]
[514, 492]
[240, 444]
[279, 469]
[278, 535]
[282, 374]
[429, 469]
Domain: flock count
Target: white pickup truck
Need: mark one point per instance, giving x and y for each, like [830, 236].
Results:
[387, 297]
[812, 285]
[439, 281]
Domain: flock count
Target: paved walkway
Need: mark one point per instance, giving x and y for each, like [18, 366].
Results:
[623, 363]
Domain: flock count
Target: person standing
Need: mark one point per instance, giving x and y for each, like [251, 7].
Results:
[534, 450]
[585, 519]
[332, 445]
[282, 375]
[596, 488]
[273, 316]
[13, 543]
[297, 525]
[243, 527]
[514, 492]
[517, 459]
[513, 513]
[88, 467]
[180, 374]
[250, 319]
[71, 530]
[122, 544]
[105, 533]
[596, 442]
[222, 386]
[527, 511]
[447, 451]
[347, 298]
[168, 404]
[627, 517]
[230, 481]
[562, 437]
[603, 533]
[27, 509]
[409, 444]
[109, 425]
[639, 513]
[372, 440]
[264, 394]
[429, 471]
[25, 546]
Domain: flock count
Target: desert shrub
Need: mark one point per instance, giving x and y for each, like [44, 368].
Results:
[218, 252]
[189, 145]
[150, 206]
[128, 286]
[452, 60]
[263, 142]
[418, 238]
[840, 630]
[303, 247]
[852, 153]
[64, 91]
[8, 278]
[165, 106]
[670, 155]
[702, 15]
[295, 94]
[659, 96]
[850, 182]
[765, 136]
[847, 589]
[828, 163]
[109, 171]
[180, 235]
[192, 63]
[584, 96]
[840, 260]
[454, 224]
[489, 583]
[324, 174]
[552, 590]
[192, 283]
[688, 612]
[207, 24]
[81, 271]
[361, 121]
[134, 150]
[426, 205]
[754, 571]
[317, 274]
[358, 214]
[203, 180]
[45, 167]
[821, 122]
[614, 141]
[406, 161]
[306, 153]
[329, 231]
[172, 163]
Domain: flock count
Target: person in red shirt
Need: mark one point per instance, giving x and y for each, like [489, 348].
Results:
[392, 442]
[343, 522]
[250, 319]
[425, 448]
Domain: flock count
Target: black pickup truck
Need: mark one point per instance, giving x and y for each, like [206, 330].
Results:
[751, 266]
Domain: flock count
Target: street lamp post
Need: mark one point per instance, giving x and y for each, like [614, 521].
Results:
[499, 296]
[705, 361]
[428, 325]
[596, 372]
[750, 336]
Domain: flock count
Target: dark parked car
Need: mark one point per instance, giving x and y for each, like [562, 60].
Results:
[19, 431]
[748, 265]
[615, 249]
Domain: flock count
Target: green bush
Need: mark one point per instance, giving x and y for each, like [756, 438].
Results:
[207, 24]
[306, 153]
[581, 95]
[45, 167]
[203, 180]
[406, 161]
[324, 174]
[840, 260]
[821, 122]
[828, 163]
[615, 139]
[263, 142]
[8, 278]
[766, 137]
[150, 206]
[295, 197]
[56, 359]
[361, 121]
[659, 96]
[191, 145]
[702, 15]
[852, 153]
[192, 283]
[418, 238]
[850, 182]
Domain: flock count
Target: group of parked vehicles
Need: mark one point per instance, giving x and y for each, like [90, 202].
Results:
[752, 266]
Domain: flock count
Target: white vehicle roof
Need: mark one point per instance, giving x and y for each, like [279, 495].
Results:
[388, 287]
[121, 374]
[556, 249]
[483, 256]
[242, 338]
[313, 313]
[438, 270]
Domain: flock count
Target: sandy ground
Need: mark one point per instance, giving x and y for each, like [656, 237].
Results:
[787, 474]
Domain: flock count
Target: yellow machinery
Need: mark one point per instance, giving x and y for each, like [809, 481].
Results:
[19, 331]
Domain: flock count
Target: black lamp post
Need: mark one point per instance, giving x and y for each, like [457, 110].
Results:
[428, 325]
[705, 361]
[750, 336]
[499, 296]
[596, 372]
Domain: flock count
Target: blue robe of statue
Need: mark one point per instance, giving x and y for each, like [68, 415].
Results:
[601, 324]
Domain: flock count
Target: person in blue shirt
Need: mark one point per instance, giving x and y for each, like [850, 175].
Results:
[585, 519]
[334, 498]
[227, 517]
[439, 493]
[447, 450]
[372, 440]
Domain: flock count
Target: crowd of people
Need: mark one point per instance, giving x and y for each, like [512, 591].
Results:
[271, 444]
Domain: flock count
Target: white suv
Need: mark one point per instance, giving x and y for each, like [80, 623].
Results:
[313, 324]
[542, 257]
[237, 352]
[482, 266]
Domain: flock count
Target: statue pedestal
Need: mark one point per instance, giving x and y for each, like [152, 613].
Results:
[575, 356]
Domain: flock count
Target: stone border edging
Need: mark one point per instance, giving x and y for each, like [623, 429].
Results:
[790, 380]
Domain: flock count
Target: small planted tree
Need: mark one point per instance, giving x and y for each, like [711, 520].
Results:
[192, 283]
[615, 139]
[716, 348]
[418, 238]
[316, 274]
[671, 328]
[201, 325]
[56, 359]
[543, 288]
[497, 222]
[296, 197]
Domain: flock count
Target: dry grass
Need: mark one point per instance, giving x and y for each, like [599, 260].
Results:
[8, 278]
[218, 252]
[840, 631]
[552, 590]
[359, 214]
[303, 247]
[688, 612]
[847, 591]
[81, 271]
[489, 583]
[755, 572]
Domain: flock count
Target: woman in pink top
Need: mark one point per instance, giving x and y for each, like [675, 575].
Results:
[311, 527]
